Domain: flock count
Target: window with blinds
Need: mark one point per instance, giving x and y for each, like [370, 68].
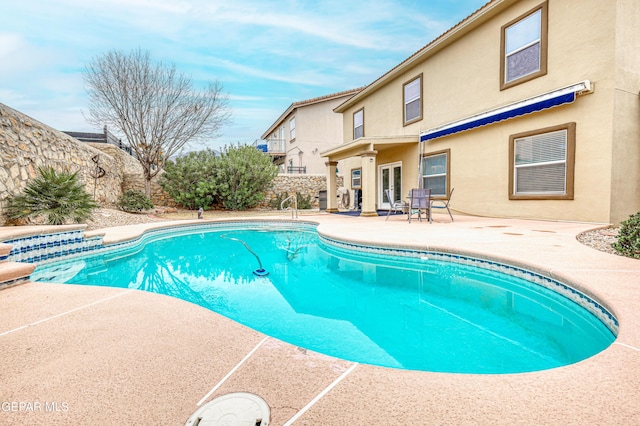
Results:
[542, 163]
[435, 173]
[358, 124]
[524, 47]
[412, 94]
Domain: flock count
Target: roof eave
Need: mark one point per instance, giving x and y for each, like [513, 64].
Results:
[308, 102]
[486, 12]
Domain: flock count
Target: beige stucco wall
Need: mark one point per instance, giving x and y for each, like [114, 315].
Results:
[625, 181]
[588, 40]
[317, 129]
[320, 129]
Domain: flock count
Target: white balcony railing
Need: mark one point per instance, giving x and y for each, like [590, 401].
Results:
[272, 146]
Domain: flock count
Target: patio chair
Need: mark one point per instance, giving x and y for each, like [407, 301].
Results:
[444, 205]
[396, 206]
[420, 201]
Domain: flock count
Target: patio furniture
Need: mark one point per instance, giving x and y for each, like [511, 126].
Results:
[420, 201]
[444, 205]
[396, 206]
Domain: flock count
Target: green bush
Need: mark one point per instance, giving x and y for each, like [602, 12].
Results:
[304, 203]
[236, 180]
[54, 197]
[628, 243]
[189, 180]
[134, 201]
[242, 176]
[276, 201]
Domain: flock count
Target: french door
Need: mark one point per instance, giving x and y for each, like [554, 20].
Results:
[389, 177]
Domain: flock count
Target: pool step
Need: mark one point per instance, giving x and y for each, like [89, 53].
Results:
[12, 273]
[15, 273]
[5, 249]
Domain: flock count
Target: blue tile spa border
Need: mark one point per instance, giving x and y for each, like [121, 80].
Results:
[166, 232]
[42, 247]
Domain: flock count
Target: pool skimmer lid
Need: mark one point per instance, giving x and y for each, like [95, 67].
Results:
[232, 409]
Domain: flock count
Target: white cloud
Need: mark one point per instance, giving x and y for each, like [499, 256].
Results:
[267, 54]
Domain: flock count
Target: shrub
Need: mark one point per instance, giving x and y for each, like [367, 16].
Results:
[276, 201]
[628, 243]
[303, 202]
[242, 176]
[190, 181]
[237, 179]
[134, 201]
[55, 197]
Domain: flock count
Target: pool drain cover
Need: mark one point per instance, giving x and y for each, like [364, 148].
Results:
[233, 409]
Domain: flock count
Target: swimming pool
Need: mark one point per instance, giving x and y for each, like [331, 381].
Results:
[413, 310]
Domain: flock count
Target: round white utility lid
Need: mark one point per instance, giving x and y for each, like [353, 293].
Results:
[233, 409]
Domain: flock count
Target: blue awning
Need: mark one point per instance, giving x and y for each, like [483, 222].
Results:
[537, 103]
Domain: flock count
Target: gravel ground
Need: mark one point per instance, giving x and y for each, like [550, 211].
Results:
[105, 217]
[599, 239]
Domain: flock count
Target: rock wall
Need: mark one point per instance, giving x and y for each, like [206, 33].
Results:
[159, 196]
[26, 144]
[306, 185]
[133, 175]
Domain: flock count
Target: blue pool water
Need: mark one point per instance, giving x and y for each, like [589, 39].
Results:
[403, 312]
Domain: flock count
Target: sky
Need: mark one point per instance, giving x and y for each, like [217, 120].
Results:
[266, 54]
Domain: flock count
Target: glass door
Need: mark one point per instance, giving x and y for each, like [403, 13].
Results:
[390, 177]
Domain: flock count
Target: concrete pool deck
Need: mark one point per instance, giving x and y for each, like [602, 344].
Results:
[95, 355]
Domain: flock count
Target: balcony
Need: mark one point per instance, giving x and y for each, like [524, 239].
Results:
[297, 170]
[273, 147]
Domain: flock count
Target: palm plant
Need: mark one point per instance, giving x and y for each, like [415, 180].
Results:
[57, 197]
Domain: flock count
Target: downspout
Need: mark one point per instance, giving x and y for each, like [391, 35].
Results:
[420, 154]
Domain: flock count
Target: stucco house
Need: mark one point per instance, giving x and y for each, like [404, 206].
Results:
[528, 108]
[303, 130]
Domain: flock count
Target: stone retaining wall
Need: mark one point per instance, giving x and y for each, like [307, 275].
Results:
[306, 185]
[159, 196]
[133, 175]
[26, 144]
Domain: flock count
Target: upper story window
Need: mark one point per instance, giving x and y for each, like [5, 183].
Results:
[292, 129]
[412, 100]
[542, 163]
[358, 124]
[524, 48]
[281, 136]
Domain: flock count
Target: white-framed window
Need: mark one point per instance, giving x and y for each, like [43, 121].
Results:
[412, 100]
[524, 47]
[356, 178]
[281, 136]
[435, 172]
[292, 129]
[542, 163]
[358, 124]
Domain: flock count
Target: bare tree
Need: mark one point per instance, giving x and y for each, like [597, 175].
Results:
[155, 107]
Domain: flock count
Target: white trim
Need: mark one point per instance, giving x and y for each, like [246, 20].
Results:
[320, 395]
[233, 370]
[389, 166]
[65, 313]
